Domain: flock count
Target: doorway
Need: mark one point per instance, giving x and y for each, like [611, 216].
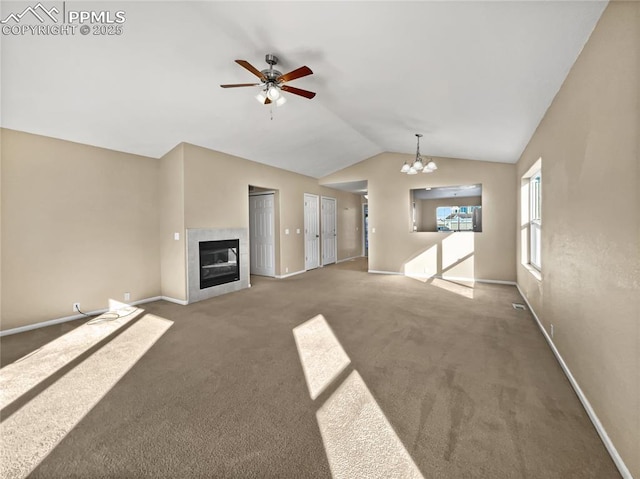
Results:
[311, 231]
[262, 234]
[328, 228]
[365, 229]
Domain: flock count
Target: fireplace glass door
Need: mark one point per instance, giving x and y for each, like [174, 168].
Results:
[219, 262]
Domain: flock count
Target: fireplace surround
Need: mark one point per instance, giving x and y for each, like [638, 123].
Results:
[217, 262]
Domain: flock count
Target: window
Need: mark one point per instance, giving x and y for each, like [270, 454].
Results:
[458, 218]
[535, 219]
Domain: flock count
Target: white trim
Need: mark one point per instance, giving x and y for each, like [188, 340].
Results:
[622, 468]
[449, 278]
[349, 259]
[282, 276]
[51, 322]
[260, 193]
[375, 271]
[181, 302]
[145, 300]
[477, 280]
[533, 271]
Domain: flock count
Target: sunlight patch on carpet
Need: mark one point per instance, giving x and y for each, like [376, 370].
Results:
[321, 354]
[19, 377]
[358, 439]
[33, 431]
[458, 288]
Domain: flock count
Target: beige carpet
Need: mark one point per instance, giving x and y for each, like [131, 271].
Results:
[452, 377]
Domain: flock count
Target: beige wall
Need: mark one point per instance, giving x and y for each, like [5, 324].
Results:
[79, 224]
[217, 196]
[85, 224]
[394, 248]
[172, 251]
[590, 288]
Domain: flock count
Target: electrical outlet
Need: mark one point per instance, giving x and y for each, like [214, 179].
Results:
[551, 330]
[127, 296]
[76, 307]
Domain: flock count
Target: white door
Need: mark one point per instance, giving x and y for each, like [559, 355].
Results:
[328, 222]
[311, 232]
[261, 235]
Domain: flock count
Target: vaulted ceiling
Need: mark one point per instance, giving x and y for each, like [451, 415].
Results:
[474, 77]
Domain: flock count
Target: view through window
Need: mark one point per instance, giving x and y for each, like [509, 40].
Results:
[457, 218]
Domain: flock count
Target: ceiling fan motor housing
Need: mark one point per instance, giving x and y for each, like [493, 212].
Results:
[270, 73]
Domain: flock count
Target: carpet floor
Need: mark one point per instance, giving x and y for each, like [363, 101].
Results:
[465, 383]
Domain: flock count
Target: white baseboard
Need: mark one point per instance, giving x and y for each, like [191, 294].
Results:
[613, 452]
[348, 259]
[146, 300]
[282, 276]
[446, 278]
[477, 280]
[375, 271]
[51, 322]
[181, 302]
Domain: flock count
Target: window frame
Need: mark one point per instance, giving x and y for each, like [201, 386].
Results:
[535, 219]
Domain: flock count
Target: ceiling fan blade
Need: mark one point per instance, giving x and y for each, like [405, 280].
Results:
[298, 91]
[236, 85]
[299, 73]
[251, 68]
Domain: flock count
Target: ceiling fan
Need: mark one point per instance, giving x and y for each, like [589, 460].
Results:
[272, 82]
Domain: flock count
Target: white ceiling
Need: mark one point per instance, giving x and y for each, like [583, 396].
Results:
[474, 77]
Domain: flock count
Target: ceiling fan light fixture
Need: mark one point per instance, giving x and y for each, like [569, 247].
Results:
[261, 97]
[281, 101]
[273, 82]
[273, 92]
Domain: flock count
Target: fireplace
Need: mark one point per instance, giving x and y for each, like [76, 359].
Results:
[219, 262]
[207, 247]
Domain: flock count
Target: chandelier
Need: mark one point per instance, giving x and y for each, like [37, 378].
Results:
[418, 164]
